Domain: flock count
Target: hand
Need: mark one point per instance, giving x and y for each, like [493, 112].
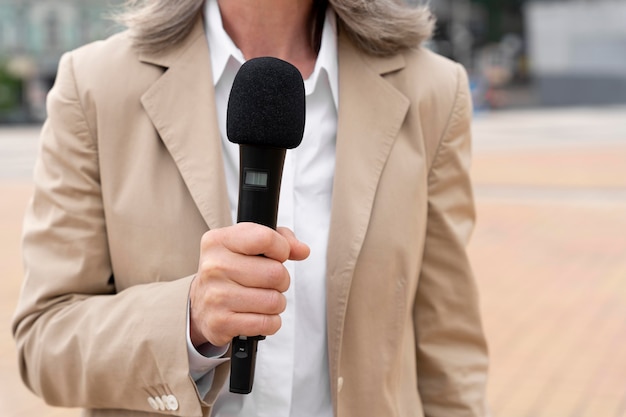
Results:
[236, 292]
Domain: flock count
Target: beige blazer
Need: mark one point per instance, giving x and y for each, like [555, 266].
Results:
[130, 176]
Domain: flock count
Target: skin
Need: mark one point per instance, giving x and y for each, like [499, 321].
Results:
[236, 292]
[278, 28]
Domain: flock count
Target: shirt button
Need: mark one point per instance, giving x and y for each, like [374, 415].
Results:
[339, 383]
[171, 402]
[153, 403]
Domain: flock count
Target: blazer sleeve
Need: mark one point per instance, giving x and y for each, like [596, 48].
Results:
[80, 343]
[452, 353]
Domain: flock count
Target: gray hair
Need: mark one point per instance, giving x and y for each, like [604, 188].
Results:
[378, 27]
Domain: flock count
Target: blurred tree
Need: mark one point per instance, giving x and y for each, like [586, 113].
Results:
[39, 32]
[10, 91]
[503, 16]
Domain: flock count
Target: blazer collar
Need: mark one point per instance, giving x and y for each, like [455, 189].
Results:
[181, 106]
[371, 113]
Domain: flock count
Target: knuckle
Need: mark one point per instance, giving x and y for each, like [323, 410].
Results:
[270, 324]
[219, 323]
[262, 236]
[266, 302]
[217, 296]
[277, 302]
[278, 277]
[222, 326]
[212, 266]
[208, 239]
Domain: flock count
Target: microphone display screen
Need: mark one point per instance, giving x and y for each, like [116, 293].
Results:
[256, 178]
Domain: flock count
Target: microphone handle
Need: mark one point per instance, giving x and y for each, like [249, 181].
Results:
[260, 175]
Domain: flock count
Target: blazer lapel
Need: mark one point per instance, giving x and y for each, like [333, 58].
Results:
[371, 112]
[181, 105]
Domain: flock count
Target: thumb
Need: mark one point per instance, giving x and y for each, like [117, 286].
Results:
[299, 250]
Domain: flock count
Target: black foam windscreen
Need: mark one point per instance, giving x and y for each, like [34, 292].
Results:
[266, 105]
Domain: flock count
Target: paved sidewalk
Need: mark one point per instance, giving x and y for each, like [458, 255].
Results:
[549, 253]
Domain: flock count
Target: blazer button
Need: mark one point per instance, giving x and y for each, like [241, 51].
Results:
[171, 402]
[160, 403]
[339, 383]
[153, 403]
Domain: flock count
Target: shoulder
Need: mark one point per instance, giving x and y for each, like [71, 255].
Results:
[114, 46]
[432, 83]
[438, 90]
[108, 68]
[431, 79]
[103, 79]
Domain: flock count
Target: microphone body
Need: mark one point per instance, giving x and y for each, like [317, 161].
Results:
[260, 175]
[243, 363]
[265, 116]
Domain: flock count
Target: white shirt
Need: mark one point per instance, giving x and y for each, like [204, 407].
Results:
[292, 376]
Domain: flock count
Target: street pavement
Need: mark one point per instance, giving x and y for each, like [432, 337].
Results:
[549, 254]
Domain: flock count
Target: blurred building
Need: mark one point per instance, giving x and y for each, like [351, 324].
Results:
[537, 52]
[577, 51]
[517, 52]
[487, 37]
[33, 36]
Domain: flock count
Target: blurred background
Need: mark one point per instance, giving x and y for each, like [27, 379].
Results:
[519, 53]
[548, 80]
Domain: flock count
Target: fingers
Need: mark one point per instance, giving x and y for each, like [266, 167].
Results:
[235, 298]
[244, 270]
[248, 324]
[236, 292]
[299, 251]
[255, 239]
[223, 312]
[228, 311]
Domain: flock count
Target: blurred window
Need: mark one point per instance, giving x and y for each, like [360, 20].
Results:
[52, 31]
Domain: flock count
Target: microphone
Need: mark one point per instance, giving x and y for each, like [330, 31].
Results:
[265, 117]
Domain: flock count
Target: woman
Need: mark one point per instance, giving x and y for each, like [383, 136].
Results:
[136, 279]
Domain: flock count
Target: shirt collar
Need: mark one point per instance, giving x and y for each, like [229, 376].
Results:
[224, 51]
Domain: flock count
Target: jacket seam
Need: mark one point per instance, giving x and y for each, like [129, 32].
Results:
[80, 102]
[449, 123]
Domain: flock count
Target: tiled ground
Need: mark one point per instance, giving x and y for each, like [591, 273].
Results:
[549, 253]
